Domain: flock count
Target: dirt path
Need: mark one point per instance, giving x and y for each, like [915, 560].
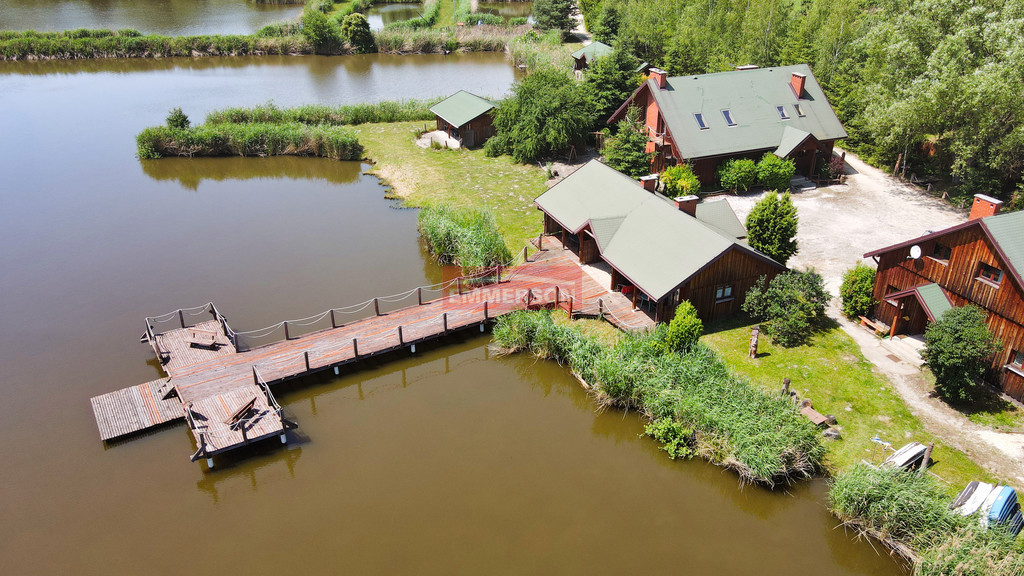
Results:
[838, 224]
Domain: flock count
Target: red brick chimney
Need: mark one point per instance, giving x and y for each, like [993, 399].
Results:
[688, 204]
[984, 206]
[797, 81]
[650, 183]
[659, 76]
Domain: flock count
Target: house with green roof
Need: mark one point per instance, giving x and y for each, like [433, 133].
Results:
[704, 120]
[585, 56]
[978, 262]
[465, 117]
[659, 251]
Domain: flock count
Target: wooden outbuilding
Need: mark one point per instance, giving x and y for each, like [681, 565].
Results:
[660, 251]
[977, 262]
[465, 117]
[585, 56]
[707, 119]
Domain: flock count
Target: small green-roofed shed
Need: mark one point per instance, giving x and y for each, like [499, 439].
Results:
[461, 108]
[586, 55]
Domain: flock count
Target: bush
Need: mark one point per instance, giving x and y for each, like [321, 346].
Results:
[612, 78]
[547, 112]
[956, 348]
[857, 291]
[685, 328]
[772, 227]
[355, 31]
[320, 31]
[680, 180]
[774, 173]
[463, 236]
[554, 15]
[625, 152]
[177, 119]
[675, 438]
[790, 307]
[737, 174]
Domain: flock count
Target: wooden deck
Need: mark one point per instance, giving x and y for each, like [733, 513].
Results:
[134, 409]
[213, 383]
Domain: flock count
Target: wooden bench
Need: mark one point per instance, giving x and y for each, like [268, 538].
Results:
[198, 338]
[816, 418]
[878, 327]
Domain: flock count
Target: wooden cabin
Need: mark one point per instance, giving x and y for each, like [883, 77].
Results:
[465, 117]
[707, 119]
[660, 251]
[585, 56]
[978, 262]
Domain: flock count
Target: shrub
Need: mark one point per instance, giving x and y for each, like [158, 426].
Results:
[737, 174]
[791, 306]
[680, 180]
[320, 31]
[355, 30]
[177, 119]
[772, 227]
[675, 438]
[463, 236]
[625, 152]
[857, 290]
[612, 78]
[774, 173]
[685, 328]
[956, 347]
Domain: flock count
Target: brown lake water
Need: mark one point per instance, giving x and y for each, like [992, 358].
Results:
[170, 17]
[452, 461]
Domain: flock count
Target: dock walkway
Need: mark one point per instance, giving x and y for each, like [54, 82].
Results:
[208, 383]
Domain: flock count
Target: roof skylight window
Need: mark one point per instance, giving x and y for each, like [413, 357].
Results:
[700, 121]
[782, 112]
[728, 117]
[799, 110]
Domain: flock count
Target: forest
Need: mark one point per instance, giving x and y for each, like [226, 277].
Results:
[937, 83]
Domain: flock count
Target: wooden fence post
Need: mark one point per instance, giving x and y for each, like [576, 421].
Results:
[558, 296]
[525, 256]
[444, 322]
[570, 306]
[485, 311]
[255, 376]
[499, 274]
[306, 354]
[458, 282]
[376, 307]
[181, 318]
[334, 324]
[401, 341]
[419, 296]
[600, 306]
[355, 349]
[286, 336]
[927, 458]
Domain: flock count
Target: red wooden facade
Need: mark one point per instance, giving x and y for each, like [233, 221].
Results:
[954, 259]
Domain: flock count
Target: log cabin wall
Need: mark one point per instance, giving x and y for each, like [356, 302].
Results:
[959, 276]
[589, 251]
[477, 131]
[738, 269]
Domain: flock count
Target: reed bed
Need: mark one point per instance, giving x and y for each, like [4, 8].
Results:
[466, 237]
[760, 436]
[540, 51]
[380, 112]
[910, 513]
[252, 139]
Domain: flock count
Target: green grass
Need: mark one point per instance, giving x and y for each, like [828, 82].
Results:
[460, 178]
[446, 17]
[831, 371]
[1007, 420]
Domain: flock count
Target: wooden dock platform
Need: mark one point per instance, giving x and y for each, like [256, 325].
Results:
[209, 379]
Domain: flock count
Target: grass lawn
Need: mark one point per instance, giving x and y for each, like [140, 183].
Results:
[835, 376]
[424, 177]
[446, 15]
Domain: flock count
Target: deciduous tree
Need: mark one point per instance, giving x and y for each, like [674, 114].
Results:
[956, 347]
[772, 226]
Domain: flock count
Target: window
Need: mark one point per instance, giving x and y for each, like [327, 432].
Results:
[941, 252]
[728, 117]
[723, 293]
[990, 273]
[1017, 359]
[890, 289]
[700, 121]
[782, 112]
[799, 110]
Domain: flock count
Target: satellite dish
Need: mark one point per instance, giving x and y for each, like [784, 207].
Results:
[915, 251]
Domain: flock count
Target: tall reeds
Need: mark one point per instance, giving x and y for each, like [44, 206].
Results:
[252, 139]
[760, 436]
[390, 111]
[466, 237]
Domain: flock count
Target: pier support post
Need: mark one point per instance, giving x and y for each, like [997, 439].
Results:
[181, 317]
[481, 326]
[286, 336]
[376, 307]
[334, 323]
[284, 438]
[412, 349]
[209, 463]
[486, 318]
[336, 371]
[401, 341]
[306, 355]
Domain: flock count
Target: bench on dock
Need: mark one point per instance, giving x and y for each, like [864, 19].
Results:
[878, 327]
[199, 338]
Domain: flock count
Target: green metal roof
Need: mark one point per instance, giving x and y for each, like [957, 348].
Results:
[934, 300]
[751, 97]
[593, 51]
[643, 236]
[792, 138]
[1008, 232]
[462, 107]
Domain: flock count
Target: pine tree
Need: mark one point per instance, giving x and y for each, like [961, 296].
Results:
[626, 152]
[555, 15]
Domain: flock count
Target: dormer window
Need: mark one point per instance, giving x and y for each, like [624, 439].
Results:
[700, 121]
[727, 114]
[989, 274]
[782, 112]
[799, 110]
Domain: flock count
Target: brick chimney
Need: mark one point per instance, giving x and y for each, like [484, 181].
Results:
[659, 76]
[984, 206]
[797, 81]
[688, 204]
[650, 182]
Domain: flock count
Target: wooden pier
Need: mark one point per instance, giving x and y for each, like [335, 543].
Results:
[224, 393]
